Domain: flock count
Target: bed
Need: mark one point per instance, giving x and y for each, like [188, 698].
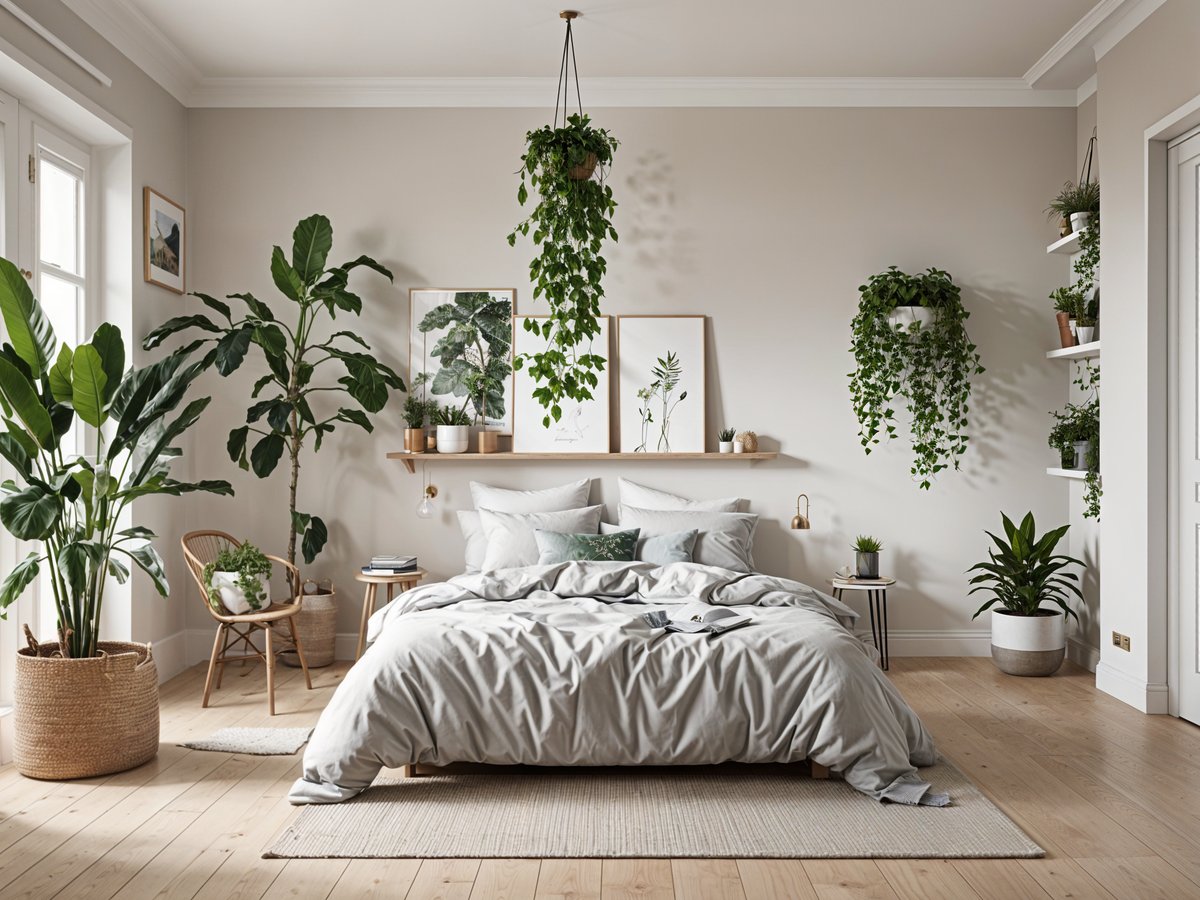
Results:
[553, 665]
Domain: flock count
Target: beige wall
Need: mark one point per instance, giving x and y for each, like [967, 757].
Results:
[1149, 74]
[764, 220]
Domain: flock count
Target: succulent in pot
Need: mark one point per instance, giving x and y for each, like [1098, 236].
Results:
[1024, 573]
[725, 440]
[237, 580]
[866, 556]
[453, 429]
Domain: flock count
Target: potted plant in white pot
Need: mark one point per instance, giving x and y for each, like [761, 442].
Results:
[1024, 572]
[725, 440]
[83, 706]
[453, 429]
[1078, 203]
[237, 580]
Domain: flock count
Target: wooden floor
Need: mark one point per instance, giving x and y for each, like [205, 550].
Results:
[1113, 795]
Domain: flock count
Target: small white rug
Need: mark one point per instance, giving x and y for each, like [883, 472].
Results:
[718, 812]
[254, 741]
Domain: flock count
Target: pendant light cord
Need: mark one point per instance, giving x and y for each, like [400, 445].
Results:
[564, 79]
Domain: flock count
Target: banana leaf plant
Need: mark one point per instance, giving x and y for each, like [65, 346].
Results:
[295, 352]
[73, 504]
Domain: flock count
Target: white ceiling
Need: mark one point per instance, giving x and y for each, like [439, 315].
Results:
[452, 38]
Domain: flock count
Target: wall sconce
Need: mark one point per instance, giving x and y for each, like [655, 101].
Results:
[800, 522]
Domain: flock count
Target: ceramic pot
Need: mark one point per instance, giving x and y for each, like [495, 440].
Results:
[866, 564]
[1079, 221]
[453, 438]
[1029, 645]
[906, 316]
[1085, 333]
[232, 597]
[414, 440]
[739, 447]
[725, 447]
[1065, 336]
[489, 441]
[1081, 454]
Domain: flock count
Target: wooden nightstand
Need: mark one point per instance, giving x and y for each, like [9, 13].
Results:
[405, 580]
[876, 590]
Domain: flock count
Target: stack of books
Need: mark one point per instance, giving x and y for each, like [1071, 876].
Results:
[390, 565]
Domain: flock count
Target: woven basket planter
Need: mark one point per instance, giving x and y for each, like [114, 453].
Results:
[316, 625]
[78, 718]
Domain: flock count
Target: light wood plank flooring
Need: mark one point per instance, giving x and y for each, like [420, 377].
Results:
[1113, 795]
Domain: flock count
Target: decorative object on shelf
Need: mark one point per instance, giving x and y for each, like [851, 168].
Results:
[93, 709]
[566, 166]
[749, 441]
[417, 412]
[488, 441]
[1023, 572]
[164, 241]
[801, 522]
[294, 355]
[461, 340]
[1079, 424]
[661, 366]
[866, 556]
[931, 365]
[1065, 304]
[316, 626]
[236, 581]
[453, 429]
[583, 426]
[1085, 333]
[725, 440]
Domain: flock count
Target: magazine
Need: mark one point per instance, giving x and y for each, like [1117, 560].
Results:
[696, 617]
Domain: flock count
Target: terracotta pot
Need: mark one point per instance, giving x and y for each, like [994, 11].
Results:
[414, 440]
[1065, 337]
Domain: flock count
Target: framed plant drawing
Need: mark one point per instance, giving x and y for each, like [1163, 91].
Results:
[164, 234]
[462, 340]
[661, 376]
[583, 427]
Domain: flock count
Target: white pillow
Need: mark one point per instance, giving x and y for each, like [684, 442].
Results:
[642, 497]
[565, 496]
[726, 539]
[510, 536]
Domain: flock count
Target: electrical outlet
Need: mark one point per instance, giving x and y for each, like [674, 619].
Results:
[1116, 639]
[1125, 642]
[1120, 640]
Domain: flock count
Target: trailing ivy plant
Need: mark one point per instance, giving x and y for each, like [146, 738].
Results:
[1080, 422]
[569, 223]
[929, 366]
[295, 352]
[250, 564]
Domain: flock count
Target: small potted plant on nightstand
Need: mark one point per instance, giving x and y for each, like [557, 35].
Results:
[866, 556]
[725, 440]
[1023, 572]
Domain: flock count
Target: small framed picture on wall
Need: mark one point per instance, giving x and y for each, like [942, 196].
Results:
[164, 225]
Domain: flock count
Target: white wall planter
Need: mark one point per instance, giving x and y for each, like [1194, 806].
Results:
[453, 438]
[1028, 645]
[1081, 454]
[1085, 333]
[906, 316]
[1079, 221]
[725, 446]
[233, 598]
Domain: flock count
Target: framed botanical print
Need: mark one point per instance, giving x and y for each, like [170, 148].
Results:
[583, 426]
[661, 373]
[460, 342]
[164, 236]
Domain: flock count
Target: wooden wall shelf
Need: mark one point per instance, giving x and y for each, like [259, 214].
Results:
[410, 460]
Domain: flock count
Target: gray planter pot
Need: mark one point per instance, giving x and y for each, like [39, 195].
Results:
[866, 564]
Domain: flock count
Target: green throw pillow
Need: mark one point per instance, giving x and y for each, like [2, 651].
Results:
[554, 547]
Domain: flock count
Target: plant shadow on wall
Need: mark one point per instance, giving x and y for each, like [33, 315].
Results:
[909, 340]
[295, 352]
[655, 241]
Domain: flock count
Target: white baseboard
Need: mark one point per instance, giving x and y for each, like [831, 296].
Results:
[1083, 654]
[171, 656]
[939, 642]
[1149, 697]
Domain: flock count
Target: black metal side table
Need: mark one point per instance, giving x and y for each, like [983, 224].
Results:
[876, 591]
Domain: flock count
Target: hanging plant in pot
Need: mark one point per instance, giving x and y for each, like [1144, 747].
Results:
[84, 706]
[930, 364]
[565, 166]
[1023, 572]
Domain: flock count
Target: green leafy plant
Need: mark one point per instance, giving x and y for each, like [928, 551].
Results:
[1023, 571]
[725, 435]
[1079, 422]
[667, 373]
[72, 499]
[451, 415]
[295, 354]
[416, 411]
[570, 223]
[1073, 198]
[250, 564]
[930, 366]
[867, 544]
[1087, 303]
[1066, 299]
[473, 352]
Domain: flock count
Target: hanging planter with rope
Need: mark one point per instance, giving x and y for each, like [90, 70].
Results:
[566, 165]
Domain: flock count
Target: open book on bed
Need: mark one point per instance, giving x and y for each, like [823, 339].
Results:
[693, 618]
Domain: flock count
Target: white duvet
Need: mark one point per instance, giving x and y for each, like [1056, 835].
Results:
[553, 665]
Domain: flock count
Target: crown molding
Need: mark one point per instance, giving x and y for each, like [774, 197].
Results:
[626, 92]
[1072, 59]
[125, 27]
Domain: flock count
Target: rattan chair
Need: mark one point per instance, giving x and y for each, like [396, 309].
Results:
[201, 548]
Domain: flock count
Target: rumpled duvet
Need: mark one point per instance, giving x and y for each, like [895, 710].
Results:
[553, 665]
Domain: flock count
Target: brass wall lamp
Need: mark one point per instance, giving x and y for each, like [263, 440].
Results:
[800, 522]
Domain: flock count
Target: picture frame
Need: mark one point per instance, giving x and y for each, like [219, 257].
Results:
[487, 310]
[584, 426]
[670, 417]
[164, 241]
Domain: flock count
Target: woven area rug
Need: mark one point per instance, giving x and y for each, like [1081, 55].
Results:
[727, 811]
[254, 741]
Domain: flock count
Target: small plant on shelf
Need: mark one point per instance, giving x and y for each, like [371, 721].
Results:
[866, 544]
[1075, 198]
[451, 415]
[866, 556]
[1079, 423]
[725, 435]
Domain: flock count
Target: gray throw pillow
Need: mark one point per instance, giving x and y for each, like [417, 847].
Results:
[662, 549]
[556, 547]
[726, 540]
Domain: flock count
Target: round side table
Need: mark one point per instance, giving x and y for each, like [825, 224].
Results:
[876, 591]
[405, 580]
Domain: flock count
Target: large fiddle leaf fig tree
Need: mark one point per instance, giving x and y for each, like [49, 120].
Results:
[296, 352]
[72, 499]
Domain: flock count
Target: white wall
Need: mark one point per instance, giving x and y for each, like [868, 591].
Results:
[764, 220]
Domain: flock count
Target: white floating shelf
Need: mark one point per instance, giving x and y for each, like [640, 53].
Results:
[1077, 474]
[1079, 351]
[1068, 245]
